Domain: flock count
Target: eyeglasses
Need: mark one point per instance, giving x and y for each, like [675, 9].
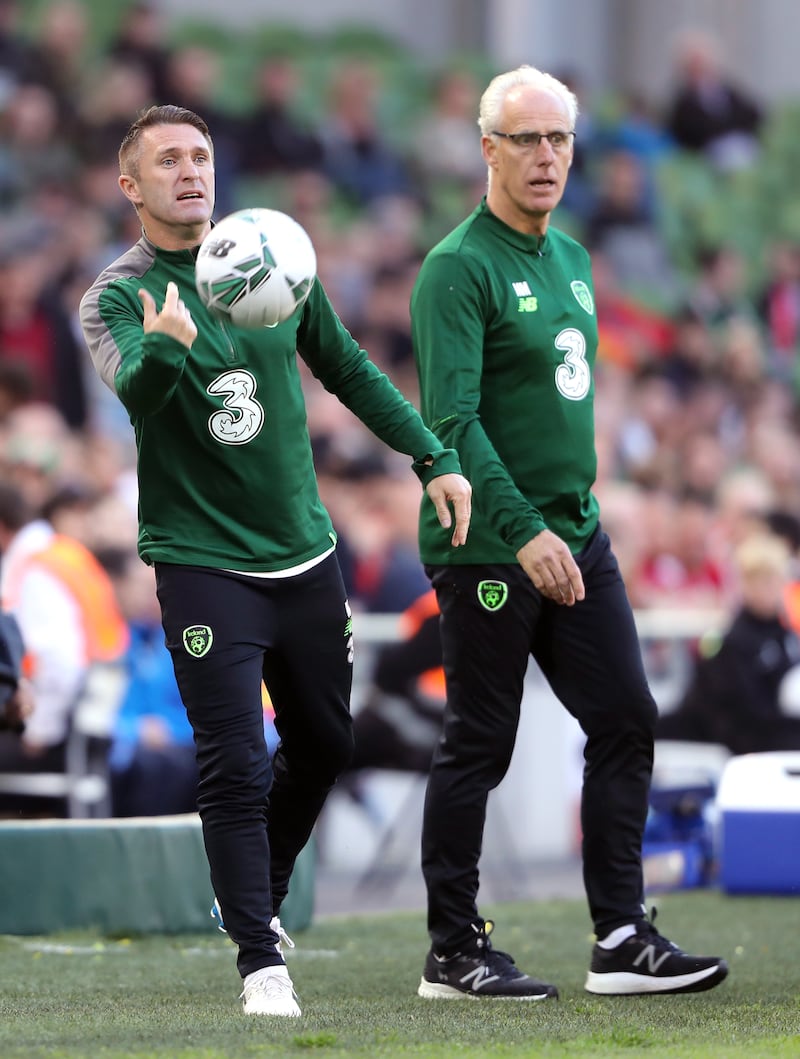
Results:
[559, 141]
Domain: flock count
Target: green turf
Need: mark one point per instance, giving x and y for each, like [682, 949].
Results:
[82, 996]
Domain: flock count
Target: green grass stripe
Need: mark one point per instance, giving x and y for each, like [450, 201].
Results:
[77, 995]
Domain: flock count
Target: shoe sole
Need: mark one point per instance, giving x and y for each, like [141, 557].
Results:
[624, 983]
[438, 991]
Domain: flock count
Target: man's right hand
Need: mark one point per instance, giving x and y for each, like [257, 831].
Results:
[174, 319]
[550, 565]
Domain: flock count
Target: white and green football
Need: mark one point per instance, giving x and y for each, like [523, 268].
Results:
[255, 268]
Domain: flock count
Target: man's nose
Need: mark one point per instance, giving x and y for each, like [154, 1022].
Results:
[545, 150]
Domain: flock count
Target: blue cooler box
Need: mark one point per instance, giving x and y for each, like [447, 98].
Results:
[758, 804]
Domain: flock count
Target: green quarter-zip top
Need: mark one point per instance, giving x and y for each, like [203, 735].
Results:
[226, 474]
[505, 338]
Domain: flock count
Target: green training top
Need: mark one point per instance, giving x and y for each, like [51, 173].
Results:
[505, 338]
[226, 475]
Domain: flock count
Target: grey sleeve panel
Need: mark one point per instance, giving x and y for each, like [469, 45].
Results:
[104, 351]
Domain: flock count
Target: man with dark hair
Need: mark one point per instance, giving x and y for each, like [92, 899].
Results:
[243, 548]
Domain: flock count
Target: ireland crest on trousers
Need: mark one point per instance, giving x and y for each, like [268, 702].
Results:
[197, 640]
[492, 594]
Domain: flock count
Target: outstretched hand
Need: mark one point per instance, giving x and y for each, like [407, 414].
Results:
[174, 319]
[447, 489]
[550, 565]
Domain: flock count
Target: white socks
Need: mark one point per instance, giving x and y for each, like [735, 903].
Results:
[616, 937]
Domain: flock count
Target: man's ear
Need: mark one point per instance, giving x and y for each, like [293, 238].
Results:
[489, 151]
[130, 189]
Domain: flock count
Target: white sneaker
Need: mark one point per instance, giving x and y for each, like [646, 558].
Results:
[269, 991]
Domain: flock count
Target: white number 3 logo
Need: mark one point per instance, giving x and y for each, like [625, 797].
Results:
[573, 377]
[242, 417]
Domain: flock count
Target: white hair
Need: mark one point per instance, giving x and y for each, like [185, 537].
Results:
[494, 97]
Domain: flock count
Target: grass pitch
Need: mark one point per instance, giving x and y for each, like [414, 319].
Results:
[64, 997]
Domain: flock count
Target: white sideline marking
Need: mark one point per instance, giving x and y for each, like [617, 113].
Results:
[56, 949]
[100, 948]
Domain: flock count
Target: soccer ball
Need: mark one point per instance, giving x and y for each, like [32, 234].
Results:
[255, 268]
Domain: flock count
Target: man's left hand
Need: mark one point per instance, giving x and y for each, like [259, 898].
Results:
[447, 489]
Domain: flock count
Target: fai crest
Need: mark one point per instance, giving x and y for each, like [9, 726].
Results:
[492, 594]
[583, 296]
[197, 640]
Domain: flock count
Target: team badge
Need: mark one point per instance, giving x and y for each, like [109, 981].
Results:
[583, 296]
[492, 594]
[197, 640]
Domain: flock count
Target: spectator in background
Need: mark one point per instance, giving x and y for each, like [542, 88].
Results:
[140, 39]
[708, 113]
[68, 616]
[648, 436]
[388, 574]
[622, 224]
[152, 757]
[743, 498]
[774, 447]
[786, 526]
[633, 335]
[116, 87]
[779, 310]
[38, 452]
[685, 572]
[357, 155]
[16, 703]
[16, 390]
[375, 520]
[35, 148]
[691, 356]
[445, 147]
[639, 130]
[35, 327]
[61, 42]
[275, 139]
[719, 290]
[17, 54]
[735, 693]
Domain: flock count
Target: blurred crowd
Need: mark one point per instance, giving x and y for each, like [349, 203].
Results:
[698, 432]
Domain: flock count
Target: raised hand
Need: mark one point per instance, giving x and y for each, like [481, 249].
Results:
[174, 318]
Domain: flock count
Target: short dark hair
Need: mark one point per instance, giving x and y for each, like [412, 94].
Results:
[166, 114]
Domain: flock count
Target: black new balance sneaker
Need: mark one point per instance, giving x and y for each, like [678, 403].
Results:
[479, 971]
[646, 962]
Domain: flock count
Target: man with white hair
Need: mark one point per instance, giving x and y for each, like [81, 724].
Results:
[505, 336]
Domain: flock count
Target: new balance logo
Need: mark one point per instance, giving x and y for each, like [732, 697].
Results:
[522, 290]
[481, 976]
[649, 953]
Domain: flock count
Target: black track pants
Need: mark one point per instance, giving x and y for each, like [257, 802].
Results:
[226, 633]
[590, 655]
